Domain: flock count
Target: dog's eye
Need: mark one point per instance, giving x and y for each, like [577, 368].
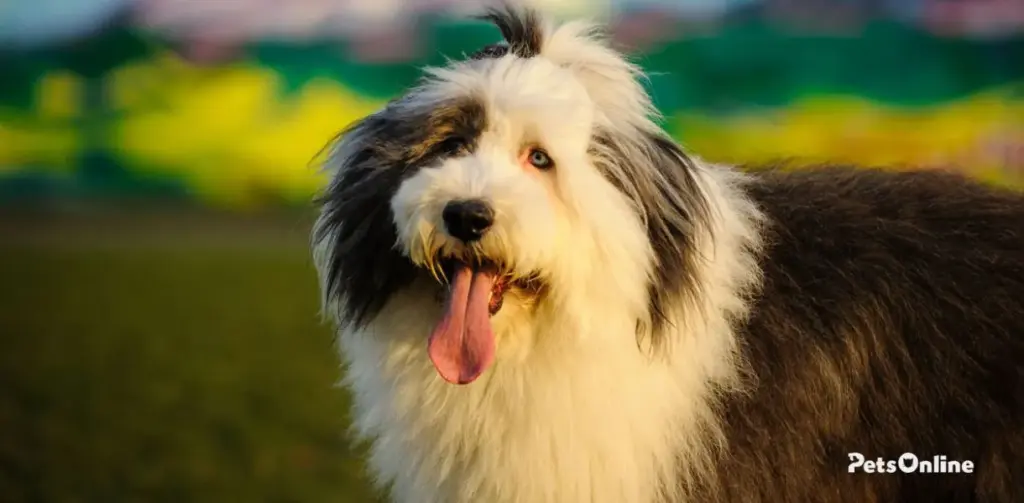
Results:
[453, 146]
[539, 159]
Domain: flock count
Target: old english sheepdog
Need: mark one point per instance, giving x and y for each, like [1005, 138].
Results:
[541, 298]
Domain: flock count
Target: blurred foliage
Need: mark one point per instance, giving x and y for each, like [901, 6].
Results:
[168, 370]
[980, 132]
[122, 114]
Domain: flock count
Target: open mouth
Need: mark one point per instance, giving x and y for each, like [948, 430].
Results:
[462, 344]
[500, 282]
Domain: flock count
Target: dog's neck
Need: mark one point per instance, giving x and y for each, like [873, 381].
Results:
[572, 410]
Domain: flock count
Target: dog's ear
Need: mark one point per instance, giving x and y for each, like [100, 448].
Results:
[354, 237]
[659, 180]
[612, 82]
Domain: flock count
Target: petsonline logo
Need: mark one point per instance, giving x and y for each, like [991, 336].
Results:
[908, 463]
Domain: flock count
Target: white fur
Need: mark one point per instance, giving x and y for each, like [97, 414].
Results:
[572, 410]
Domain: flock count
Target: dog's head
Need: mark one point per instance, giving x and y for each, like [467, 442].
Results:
[531, 174]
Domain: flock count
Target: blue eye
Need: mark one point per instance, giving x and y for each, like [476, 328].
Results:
[540, 159]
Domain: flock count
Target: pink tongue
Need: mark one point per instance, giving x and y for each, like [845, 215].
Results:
[462, 344]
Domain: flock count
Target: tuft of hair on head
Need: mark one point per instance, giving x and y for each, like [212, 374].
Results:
[521, 28]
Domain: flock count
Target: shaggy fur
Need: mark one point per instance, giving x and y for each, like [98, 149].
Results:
[672, 330]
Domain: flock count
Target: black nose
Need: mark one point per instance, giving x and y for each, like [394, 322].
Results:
[467, 220]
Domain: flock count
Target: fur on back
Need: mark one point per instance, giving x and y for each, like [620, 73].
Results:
[702, 334]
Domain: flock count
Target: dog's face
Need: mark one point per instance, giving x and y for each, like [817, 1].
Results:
[511, 170]
[514, 178]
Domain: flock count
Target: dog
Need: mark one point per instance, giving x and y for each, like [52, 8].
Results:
[540, 297]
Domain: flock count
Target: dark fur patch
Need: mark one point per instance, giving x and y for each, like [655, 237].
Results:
[492, 51]
[891, 320]
[658, 177]
[365, 269]
[520, 27]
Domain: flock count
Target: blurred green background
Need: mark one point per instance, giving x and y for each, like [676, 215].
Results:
[159, 330]
[168, 355]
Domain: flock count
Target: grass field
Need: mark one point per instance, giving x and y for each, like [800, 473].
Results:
[167, 356]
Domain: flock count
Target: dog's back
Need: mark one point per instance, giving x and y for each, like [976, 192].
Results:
[890, 323]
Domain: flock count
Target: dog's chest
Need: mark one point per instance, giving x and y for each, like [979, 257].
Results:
[590, 427]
